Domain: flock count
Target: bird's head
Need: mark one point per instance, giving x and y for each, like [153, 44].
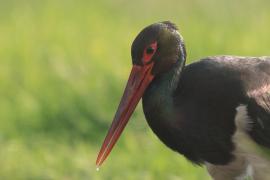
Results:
[159, 45]
[154, 51]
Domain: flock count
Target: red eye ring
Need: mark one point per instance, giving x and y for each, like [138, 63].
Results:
[149, 52]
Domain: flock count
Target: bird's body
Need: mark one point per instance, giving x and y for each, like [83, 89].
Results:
[195, 113]
[215, 111]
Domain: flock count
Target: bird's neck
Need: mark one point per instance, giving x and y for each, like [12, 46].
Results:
[159, 95]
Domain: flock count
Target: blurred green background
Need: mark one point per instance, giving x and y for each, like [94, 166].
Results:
[63, 67]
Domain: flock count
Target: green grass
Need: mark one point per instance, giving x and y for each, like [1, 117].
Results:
[63, 66]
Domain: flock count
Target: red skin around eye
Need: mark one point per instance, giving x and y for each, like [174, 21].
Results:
[148, 57]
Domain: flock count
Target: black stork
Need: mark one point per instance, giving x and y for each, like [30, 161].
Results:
[215, 111]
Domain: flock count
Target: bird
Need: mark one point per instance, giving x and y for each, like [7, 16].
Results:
[215, 111]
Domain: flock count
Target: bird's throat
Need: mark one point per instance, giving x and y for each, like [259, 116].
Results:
[158, 97]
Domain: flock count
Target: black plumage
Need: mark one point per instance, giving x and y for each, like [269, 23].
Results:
[215, 111]
[205, 100]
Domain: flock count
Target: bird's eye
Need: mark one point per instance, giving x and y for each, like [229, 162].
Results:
[150, 50]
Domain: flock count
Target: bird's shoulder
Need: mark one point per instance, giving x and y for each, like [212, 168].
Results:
[232, 73]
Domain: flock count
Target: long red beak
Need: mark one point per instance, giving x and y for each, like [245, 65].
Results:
[139, 79]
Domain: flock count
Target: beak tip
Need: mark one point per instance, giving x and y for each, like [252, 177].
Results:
[98, 163]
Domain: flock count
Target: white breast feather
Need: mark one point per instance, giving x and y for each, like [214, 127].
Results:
[249, 163]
